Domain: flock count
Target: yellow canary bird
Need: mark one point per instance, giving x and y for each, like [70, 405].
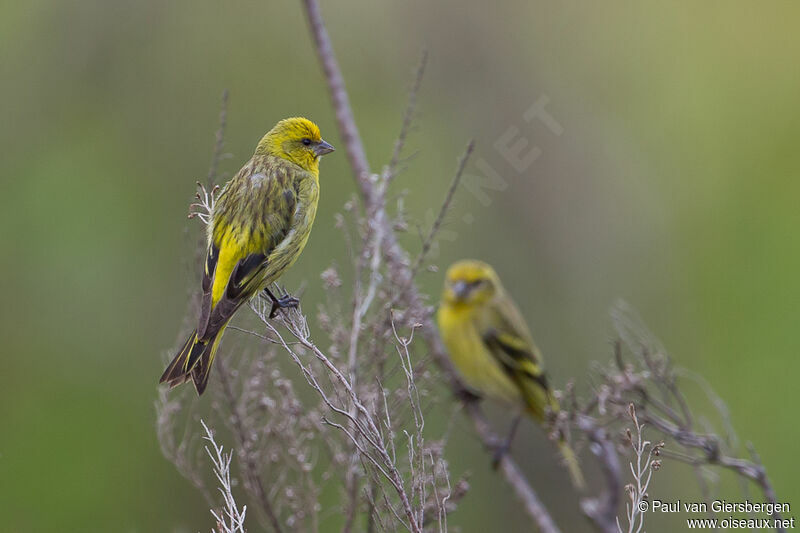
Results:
[259, 225]
[491, 347]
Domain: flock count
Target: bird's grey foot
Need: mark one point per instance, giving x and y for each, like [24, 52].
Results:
[504, 447]
[284, 302]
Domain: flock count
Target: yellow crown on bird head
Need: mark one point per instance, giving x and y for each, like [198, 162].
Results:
[296, 139]
[470, 281]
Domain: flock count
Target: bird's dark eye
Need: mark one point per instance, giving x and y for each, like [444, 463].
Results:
[307, 141]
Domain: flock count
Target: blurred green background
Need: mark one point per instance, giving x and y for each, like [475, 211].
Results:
[673, 184]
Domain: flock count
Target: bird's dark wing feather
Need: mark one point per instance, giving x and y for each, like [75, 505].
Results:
[507, 338]
[234, 295]
[514, 356]
[208, 278]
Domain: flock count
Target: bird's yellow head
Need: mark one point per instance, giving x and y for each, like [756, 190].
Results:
[296, 139]
[470, 282]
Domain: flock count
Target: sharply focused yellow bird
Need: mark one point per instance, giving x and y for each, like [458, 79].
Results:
[492, 349]
[258, 227]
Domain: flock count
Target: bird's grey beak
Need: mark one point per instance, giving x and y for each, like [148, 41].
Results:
[460, 289]
[323, 148]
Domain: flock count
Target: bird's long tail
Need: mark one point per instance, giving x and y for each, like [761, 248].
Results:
[571, 463]
[193, 362]
[539, 395]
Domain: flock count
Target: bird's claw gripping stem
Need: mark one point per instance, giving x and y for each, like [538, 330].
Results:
[284, 302]
[504, 447]
[500, 451]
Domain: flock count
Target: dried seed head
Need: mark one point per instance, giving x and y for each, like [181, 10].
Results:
[331, 278]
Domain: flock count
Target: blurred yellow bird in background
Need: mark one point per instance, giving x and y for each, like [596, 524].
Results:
[259, 225]
[492, 348]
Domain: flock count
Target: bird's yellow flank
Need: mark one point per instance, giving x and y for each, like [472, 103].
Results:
[259, 226]
[491, 347]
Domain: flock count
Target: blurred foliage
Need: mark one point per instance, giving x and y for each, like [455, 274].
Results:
[674, 185]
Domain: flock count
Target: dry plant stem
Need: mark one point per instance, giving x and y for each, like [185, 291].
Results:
[352, 497]
[363, 421]
[408, 117]
[219, 140]
[427, 243]
[642, 472]
[533, 505]
[417, 488]
[396, 258]
[448, 199]
[231, 520]
[341, 100]
[361, 303]
[178, 452]
[602, 510]
[251, 469]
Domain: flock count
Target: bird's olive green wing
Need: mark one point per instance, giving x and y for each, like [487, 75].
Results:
[260, 203]
[507, 339]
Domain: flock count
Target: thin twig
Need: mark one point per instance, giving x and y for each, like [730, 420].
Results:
[530, 500]
[219, 140]
[251, 469]
[341, 100]
[408, 118]
[448, 199]
[603, 508]
[232, 519]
